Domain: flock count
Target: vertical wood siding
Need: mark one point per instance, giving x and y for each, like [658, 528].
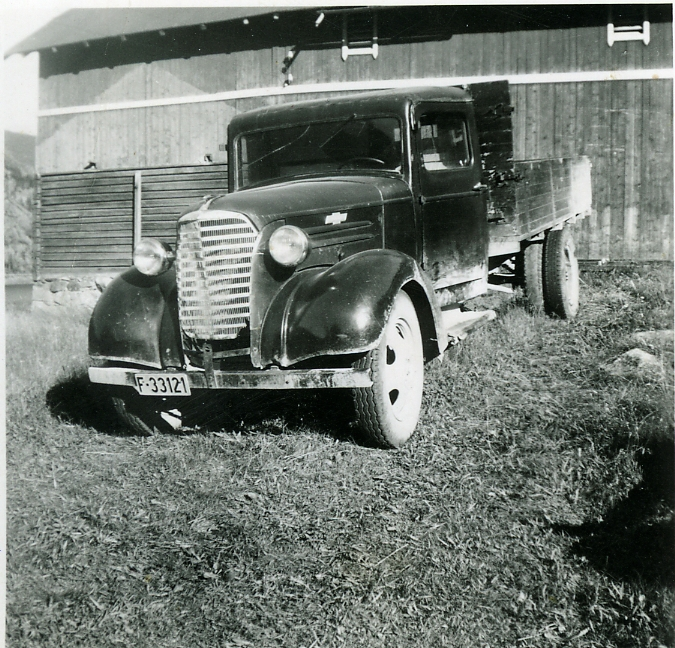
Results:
[625, 127]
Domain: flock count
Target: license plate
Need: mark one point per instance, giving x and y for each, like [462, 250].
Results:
[162, 384]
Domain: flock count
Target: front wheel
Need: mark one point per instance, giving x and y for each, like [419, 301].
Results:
[388, 411]
[144, 415]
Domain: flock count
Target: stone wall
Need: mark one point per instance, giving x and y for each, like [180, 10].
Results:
[79, 293]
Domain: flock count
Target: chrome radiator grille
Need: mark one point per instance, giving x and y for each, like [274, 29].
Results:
[213, 272]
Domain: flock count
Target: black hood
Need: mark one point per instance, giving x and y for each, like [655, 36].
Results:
[311, 196]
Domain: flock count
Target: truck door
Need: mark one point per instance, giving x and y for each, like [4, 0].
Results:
[452, 196]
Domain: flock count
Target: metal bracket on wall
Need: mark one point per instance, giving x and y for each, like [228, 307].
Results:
[619, 33]
[361, 48]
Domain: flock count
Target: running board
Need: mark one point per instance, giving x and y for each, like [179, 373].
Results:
[459, 324]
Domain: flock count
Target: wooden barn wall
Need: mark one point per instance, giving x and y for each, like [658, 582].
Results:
[625, 127]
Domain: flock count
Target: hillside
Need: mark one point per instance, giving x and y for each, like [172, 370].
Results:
[20, 151]
[20, 186]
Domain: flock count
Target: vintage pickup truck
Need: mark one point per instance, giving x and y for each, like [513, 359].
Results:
[353, 230]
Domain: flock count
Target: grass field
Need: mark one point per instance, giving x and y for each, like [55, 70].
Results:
[533, 507]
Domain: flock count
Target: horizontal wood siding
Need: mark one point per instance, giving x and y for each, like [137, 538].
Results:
[166, 193]
[86, 219]
[86, 222]
[625, 127]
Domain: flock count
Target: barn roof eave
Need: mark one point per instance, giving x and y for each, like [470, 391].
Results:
[81, 25]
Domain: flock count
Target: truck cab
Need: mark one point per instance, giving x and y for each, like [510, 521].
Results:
[349, 230]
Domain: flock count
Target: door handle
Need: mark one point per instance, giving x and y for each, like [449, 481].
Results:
[479, 186]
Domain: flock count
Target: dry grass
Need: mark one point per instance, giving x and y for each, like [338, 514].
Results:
[534, 506]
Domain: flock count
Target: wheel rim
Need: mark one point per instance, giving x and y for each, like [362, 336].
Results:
[571, 278]
[400, 371]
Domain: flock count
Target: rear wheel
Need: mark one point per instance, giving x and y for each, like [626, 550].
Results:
[533, 275]
[388, 411]
[561, 274]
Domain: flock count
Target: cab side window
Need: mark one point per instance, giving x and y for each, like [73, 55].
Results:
[444, 142]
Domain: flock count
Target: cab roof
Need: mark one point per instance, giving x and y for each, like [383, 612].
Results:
[363, 104]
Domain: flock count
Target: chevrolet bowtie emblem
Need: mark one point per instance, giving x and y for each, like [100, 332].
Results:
[336, 218]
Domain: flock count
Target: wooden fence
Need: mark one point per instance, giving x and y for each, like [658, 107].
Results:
[87, 222]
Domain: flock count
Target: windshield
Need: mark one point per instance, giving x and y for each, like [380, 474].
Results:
[373, 143]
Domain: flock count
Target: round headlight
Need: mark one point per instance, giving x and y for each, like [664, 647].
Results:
[289, 246]
[152, 257]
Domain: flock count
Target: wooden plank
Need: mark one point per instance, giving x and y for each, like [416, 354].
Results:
[570, 125]
[84, 270]
[582, 144]
[650, 170]
[209, 185]
[56, 250]
[81, 258]
[630, 241]
[178, 197]
[70, 253]
[662, 54]
[667, 187]
[617, 124]
[632, 203]
[152, 206]
[169, 226]
[86, 212]
[661, 202]
[37, 226]
[151, 211]
[196, 180]
[87, 220]
[604, 159]
[84, 188]
[166, 235]
[203, 186]
[85, 180]
[519, 99]
[113, 193]
[558, 138]
[185, 194]
[175, 203]
[66, 238]
[105, 198]
[84, 231]
[183, 169]
[62, 211]
[585, 137]
[80, 175]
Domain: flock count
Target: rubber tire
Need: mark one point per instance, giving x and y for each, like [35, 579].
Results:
[561, 274]
[388, 411]
[141, 415]
[533, 275]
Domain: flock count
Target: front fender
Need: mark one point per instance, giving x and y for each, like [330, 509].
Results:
[342, 309]
[136, 320]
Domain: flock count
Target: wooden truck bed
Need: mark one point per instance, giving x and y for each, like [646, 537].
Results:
[547, 194]
[527, 197]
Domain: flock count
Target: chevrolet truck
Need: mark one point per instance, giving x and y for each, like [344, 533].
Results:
[352, 232]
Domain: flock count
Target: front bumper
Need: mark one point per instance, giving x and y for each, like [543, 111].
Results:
[253, 379]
